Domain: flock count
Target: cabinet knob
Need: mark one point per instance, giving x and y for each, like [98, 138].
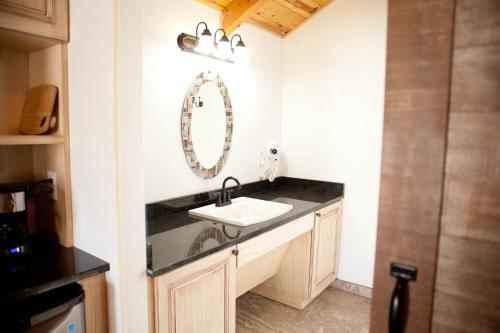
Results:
[318, 214]
[236, 252]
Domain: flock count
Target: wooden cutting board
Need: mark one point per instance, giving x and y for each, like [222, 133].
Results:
[38, 109]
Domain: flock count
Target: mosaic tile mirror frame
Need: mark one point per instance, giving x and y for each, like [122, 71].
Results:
[186, 130]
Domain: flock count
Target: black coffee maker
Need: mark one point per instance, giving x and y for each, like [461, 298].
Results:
[14, 239]
[13, 221]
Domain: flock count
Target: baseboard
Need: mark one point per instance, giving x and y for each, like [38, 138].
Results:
[352, 288]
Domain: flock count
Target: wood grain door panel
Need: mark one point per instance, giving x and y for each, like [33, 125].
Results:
[419, 46]
[96, 304]
[325, 248]
[190, 303]
[44, 18]
[467, 290]
[440, 184]
[199, 297]
[38, 9]
[325, 232]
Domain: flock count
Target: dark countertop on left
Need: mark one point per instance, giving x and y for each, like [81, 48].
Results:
[49, 266]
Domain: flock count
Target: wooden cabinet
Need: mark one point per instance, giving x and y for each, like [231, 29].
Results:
[44, 18]
[310, 264]
[199, 297]
[325, 248]
[291, 264]
[32, 53]
[96, 305]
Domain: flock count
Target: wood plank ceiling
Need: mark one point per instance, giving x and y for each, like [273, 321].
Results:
[279, 17]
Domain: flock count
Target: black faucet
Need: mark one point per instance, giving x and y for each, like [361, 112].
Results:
[225, 196]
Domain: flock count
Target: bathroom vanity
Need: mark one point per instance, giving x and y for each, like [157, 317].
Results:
[199, 267]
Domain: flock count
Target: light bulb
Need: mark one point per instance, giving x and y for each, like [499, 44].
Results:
[241, 54]
[205, 44]
[224, 49]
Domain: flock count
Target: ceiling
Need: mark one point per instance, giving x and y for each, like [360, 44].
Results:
[277, 16]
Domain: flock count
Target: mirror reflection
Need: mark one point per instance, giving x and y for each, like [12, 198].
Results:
[207, 125]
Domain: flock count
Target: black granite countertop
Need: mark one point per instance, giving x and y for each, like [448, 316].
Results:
[49, 266]
[175, 238]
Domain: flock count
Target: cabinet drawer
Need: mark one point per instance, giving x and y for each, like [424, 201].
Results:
[258, 246]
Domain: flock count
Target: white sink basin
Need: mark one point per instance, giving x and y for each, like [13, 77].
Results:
[243, 211]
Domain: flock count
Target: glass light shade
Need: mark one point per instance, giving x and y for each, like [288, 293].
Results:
[241, 54]
[224, 49]
[205, 43]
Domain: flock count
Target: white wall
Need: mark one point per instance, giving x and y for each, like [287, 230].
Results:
[91, 57]
[255, 92]
[131, 210]
[325, 106]
[333, 105]
[340, 84]
[105, 98]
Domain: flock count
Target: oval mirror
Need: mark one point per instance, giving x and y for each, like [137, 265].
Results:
[206, 125]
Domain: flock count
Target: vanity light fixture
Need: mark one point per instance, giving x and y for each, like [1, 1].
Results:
[239, 51]
[208, 46]
[223, 47]
[204, 42]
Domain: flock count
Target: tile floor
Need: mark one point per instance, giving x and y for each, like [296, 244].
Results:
[333, 311]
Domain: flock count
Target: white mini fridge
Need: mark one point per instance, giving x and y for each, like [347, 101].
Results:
[60, 310]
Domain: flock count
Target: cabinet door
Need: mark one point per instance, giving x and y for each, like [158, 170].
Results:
[325, 248]
[199, 297]
[96, 304]
[46, 18]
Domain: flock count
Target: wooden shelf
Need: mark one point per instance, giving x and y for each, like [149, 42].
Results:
[13, 140]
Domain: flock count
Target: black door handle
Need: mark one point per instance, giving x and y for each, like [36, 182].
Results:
[396, 311]
[399, 302]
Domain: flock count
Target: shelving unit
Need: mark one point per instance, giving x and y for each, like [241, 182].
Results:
[33, 51]
[16, 140]
[28, 158]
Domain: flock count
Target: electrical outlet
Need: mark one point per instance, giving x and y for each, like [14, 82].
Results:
[52, 175]
[261, 158]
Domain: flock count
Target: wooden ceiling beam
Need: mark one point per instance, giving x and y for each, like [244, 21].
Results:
[280, 17]
[238, 12]
[211, 3]
[298, 6]
[277, 30]
[315, 3]
[219, 5]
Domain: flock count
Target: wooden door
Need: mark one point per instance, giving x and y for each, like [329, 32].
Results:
[199, 297]
[45, 18]
[325, 248]
[440, 181]
[419, 44]
[467, 289]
